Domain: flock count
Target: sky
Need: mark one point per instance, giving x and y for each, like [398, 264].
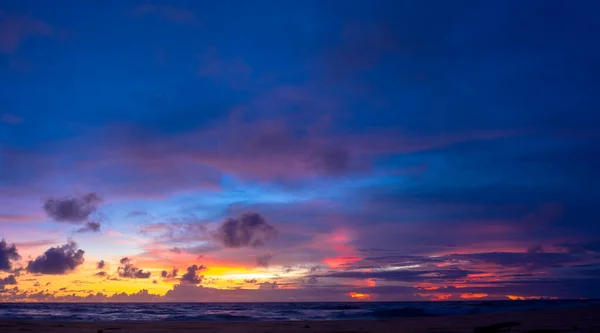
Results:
[299, 150]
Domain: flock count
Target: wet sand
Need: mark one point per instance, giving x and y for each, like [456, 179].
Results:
[585, 320]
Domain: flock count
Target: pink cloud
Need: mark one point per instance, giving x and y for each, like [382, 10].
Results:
[14, 30]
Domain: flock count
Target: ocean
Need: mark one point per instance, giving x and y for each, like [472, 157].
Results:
[266, 311]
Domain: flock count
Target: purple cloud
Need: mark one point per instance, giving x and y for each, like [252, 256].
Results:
[8, 253]
[247, 230]
[72, 209]
[128, 270]
[57, 260]
[191, 276]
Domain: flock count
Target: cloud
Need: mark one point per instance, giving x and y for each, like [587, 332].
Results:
[128, 270]
[8, 280]
[175, 250]
[176, 232]
[191, 276]
[101, 274]
[101, 264]
[251, 281]
[7, 254]
[312, 280]
[72, 209]
[91, 226]
[268, 286]
[404, 275]
[57, 260]
[137, 213]
[527, 260]
[580, 248]
[247, 230]
[172, 274]
[263, 260]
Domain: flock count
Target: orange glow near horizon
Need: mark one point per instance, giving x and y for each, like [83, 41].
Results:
[436, 297]
[473, 296]
[360, 296]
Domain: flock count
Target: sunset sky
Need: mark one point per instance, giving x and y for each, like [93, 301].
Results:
[299, 150]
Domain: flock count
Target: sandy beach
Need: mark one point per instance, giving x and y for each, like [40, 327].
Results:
[585, 319]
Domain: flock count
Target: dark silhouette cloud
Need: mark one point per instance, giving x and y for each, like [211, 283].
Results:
[91, 226]
[268, 286]
[8, 280]
[57, 260]
[263, 260]
[405, 275]
[101, 274]
[251, 281]
[527, 260]
[101, 264]
[580, 248]
[72, 209]
[191, 276]
[312, 280]
[248, 229]
[175, 250]
[535, 249]
[7, 254]
[171, 274]
[128, 270]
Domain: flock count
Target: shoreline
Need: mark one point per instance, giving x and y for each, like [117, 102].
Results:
[582, 319]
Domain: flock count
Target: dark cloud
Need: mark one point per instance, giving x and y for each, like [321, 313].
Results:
[312, 280]
[251, 281]
[248, 229]
[72, 209]
[8, 280]
[7, 254]
[580, 248]
[91, 226]
[528, 260]
[175, 250]
[171, 274]
[101, 274]
[268, 286]
[288, 269]
[263, 260]
[101, 264]
[314, 269]
[404, 275]
[535, 249]
[191, 276]
[137, 213]
[128, 270]
[57, 260]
